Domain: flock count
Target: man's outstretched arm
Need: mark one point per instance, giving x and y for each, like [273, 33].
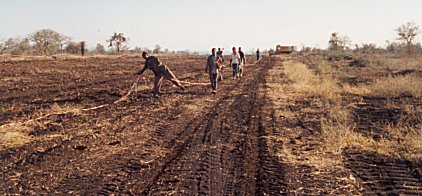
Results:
[140, 72]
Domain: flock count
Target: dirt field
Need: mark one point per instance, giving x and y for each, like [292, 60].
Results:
[257, 136]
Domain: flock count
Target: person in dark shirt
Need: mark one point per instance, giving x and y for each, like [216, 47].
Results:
[220, 54]
[221, 57]
[258, 54]
[160, 71]
[212, 68]
[242, 62]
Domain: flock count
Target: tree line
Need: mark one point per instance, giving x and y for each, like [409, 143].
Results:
[405, 43]
[50, 42]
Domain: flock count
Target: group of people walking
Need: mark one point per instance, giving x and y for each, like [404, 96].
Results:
[214, 67]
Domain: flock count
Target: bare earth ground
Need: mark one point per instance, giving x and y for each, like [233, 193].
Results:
[254, 137]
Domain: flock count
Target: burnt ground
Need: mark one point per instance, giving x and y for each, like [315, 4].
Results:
[186, 142]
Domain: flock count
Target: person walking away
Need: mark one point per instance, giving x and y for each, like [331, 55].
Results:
[258, 54]
[212, 69]
[83, 49]
[161, 71]
[242, 62]
[234, 62]
[221, 57]
[220, 54]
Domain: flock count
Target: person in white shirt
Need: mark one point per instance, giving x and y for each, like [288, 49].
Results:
[234, 62]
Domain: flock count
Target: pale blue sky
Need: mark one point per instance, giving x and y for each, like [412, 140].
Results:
[202, 24]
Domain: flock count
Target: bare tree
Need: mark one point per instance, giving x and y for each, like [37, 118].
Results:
[408, 33]
[23, 46]
[157, 49]
[72, 47]
[10, 44]
[46, 41]
[338, 42]
[16, 46]
[149, 51]
[137, 50]
[2, 48]
[99, 49]
[63, 40]
[117, 40]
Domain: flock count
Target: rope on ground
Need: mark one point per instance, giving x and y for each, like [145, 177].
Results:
[194, 83]
[133, 88]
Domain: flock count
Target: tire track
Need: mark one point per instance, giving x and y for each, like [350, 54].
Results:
[216, 153]
[384, 175]
[219, 158]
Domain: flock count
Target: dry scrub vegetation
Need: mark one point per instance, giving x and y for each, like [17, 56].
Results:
[14, 135]
[409, 85]
[306, 81]
[338, 127]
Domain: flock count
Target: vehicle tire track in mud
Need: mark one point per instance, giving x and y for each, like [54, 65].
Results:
[271, 171]
[221, 156]
[384, 175]
[196, 163]
[271, 175]
[373, 114]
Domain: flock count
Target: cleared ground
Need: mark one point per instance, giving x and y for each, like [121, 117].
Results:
[256, 136]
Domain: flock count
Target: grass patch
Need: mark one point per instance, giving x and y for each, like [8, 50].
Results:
[338, 127]
[59, 109]
[409, 85]
[13, 135]
[405, 142]
[306, 81]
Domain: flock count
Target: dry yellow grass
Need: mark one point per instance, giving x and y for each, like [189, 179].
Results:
[307, 82]
[356, 90]
[338, 127]
[396, 86]
[57, 109]
[405, 142]
[13, 135]
[405, 63]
